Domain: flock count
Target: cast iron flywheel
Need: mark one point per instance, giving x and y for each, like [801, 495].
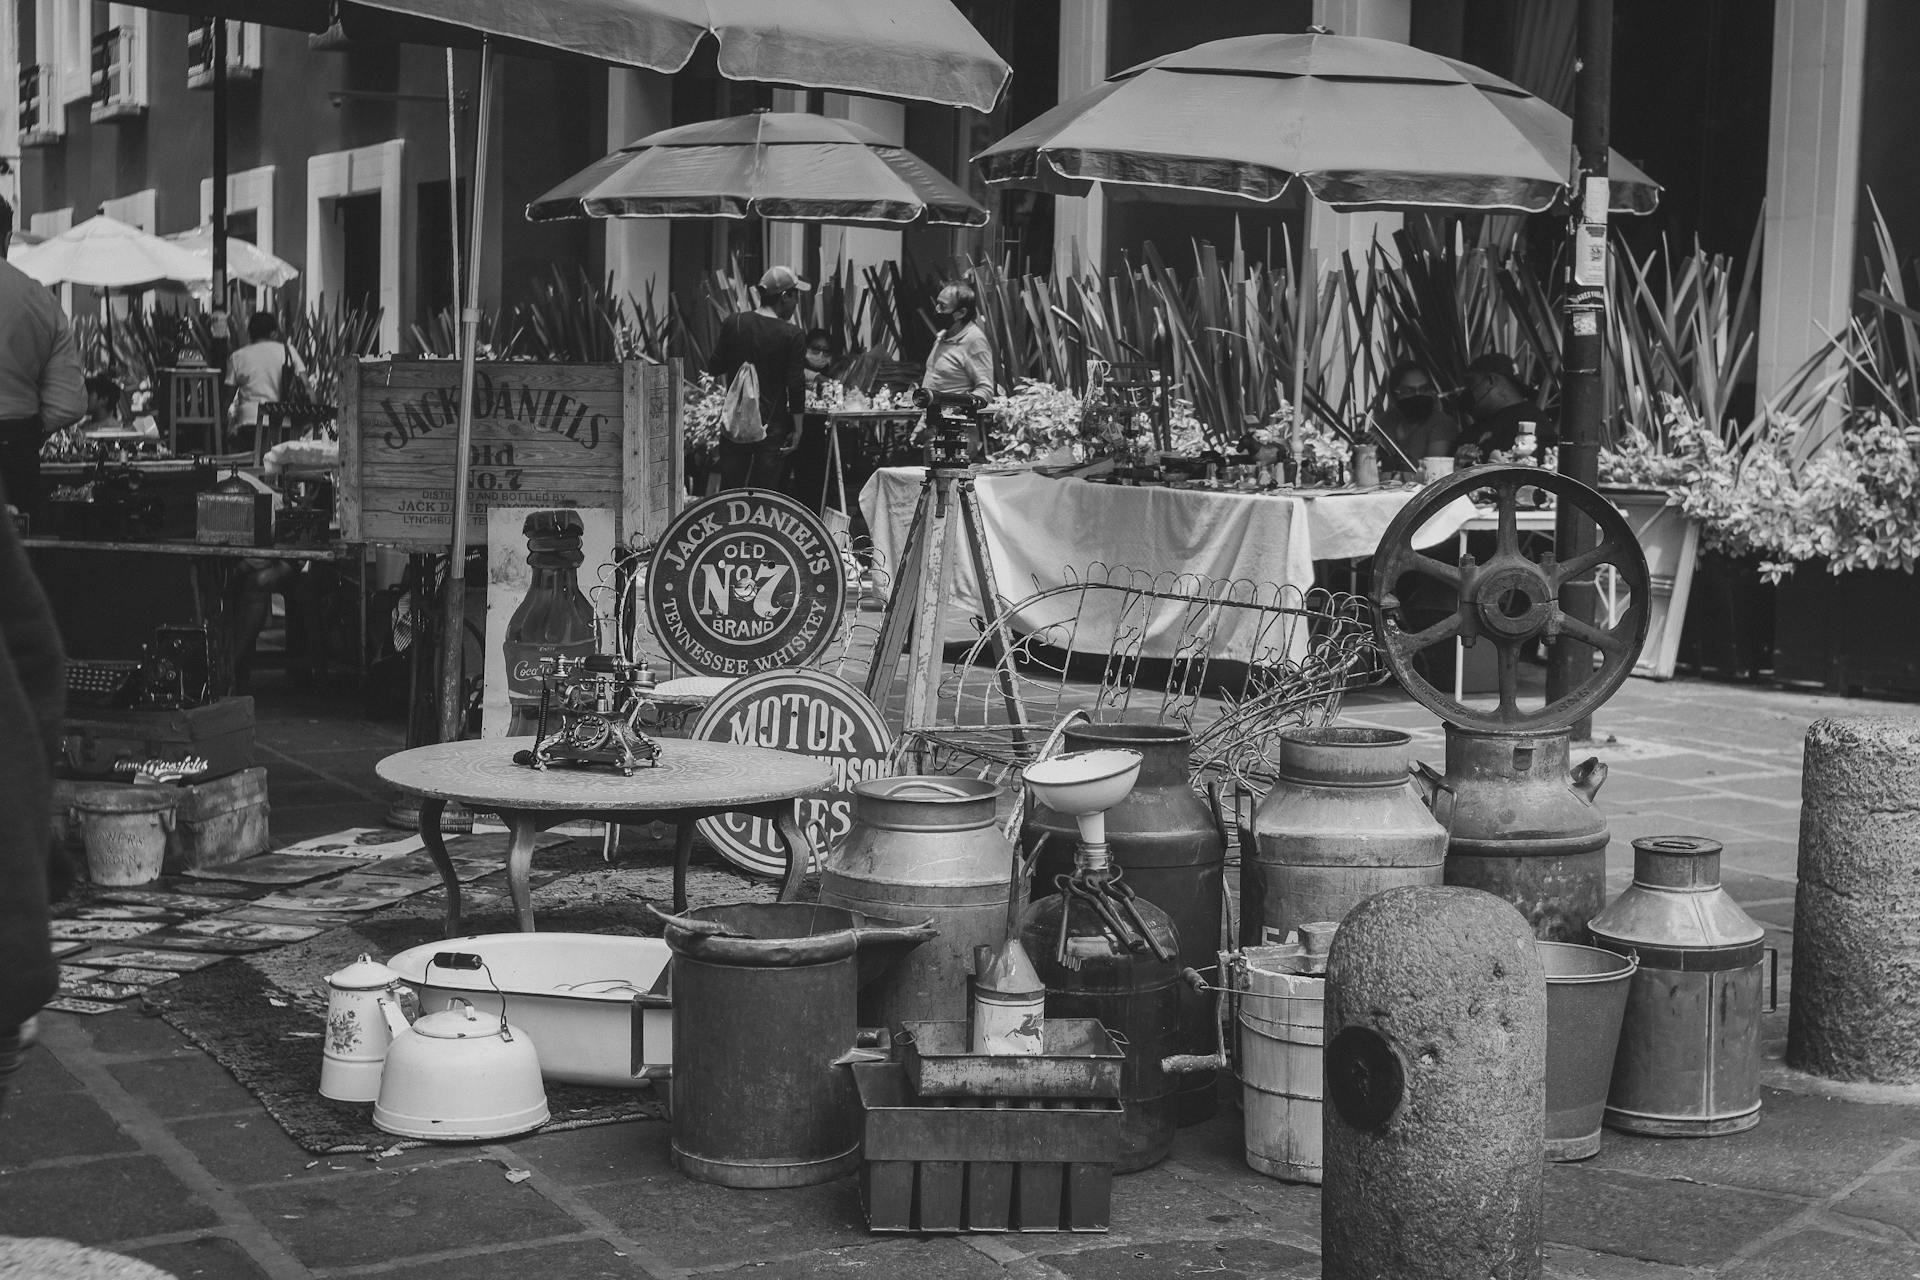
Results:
[1511, 600]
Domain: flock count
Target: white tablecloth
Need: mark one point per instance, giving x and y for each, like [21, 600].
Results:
[1041, 533]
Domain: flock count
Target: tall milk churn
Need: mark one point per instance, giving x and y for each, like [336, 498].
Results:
[1523, 826]
[1689, 1057]
[924, 848]
[1166, 840]
[1343, 822]
[1106, 953]
[763, 1030]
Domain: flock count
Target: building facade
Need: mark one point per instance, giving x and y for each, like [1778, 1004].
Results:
[338, 153]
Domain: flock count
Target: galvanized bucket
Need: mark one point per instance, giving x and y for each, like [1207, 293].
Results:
[126, 833]
[1586, 999]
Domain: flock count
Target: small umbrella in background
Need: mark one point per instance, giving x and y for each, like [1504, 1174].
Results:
[247, 262]
[788, 166]
[106, 253]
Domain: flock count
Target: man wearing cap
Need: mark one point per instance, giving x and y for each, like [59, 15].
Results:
[1499, 403]
[777, 348]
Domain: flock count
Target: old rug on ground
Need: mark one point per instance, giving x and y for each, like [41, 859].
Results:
[261, 1016]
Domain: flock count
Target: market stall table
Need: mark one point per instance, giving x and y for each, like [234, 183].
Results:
[1043, 532]
[693, 780]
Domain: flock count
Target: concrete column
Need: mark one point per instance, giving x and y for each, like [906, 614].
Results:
[1332, 234]
[1813, 181]
[1855, 1011]
[862, 246]
[1436, 1060]
[1080, 222]
[638, 103]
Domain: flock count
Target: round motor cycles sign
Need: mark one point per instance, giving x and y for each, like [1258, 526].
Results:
[744, 582]
[810, 713]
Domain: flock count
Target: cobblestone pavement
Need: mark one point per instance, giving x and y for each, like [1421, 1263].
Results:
[124, 1136]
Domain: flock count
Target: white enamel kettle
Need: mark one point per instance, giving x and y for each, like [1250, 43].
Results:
[357, 1033]
[458, 1075]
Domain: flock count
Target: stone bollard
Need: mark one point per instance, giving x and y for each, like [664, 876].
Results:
[1436, 1060]
[1855, 1012]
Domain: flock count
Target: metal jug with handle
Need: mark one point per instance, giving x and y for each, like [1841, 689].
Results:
[458, 1075]
[358, 1034]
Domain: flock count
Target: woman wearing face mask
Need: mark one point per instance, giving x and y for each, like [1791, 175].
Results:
[1413, 424]
[819, 357]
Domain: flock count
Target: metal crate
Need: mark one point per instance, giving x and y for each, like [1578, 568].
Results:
[968, 1164]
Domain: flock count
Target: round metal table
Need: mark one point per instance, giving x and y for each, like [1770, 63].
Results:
[693, 780]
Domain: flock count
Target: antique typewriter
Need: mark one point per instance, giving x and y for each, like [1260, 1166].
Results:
[96, 683]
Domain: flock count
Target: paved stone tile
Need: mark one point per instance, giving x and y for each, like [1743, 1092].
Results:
[1143, 1202]
[1804, 1145]
[1892, 1199]
[564, 1260]
[51, 1125]
[1229, 1259]
[592, 1157]
[207, 1258]
[381, 1216]
[131, 1033]
[925, 1258]
[1825, 1253]
[247, 1149]
[99, 1202]
[1660, 1220]
[1644, 786]
[40, 1074]
[689, 1224]
[190, 1085]
[1564, 1262]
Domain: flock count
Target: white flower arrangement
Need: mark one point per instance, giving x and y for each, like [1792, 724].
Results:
[1036, 421]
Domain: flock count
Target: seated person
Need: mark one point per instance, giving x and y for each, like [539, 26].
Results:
[258, 374]
[103, 404]
[1412, 424]
[820, 360]
[1498, 402]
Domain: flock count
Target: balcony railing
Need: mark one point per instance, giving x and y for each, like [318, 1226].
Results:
[116, 76]
[243, 53]
[42, 123]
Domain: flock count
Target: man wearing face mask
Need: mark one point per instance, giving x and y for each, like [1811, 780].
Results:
[961, 362]
[1412, 425]
[1499, 403]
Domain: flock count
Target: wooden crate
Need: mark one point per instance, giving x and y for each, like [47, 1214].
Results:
[966, 1164]
[220, 821]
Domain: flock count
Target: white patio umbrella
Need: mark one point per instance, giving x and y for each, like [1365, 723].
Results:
[106, 253]
[246, 262]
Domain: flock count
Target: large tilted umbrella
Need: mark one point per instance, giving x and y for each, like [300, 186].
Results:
[1359, 123]
[246, 262]
[789, 166]
[925, 50]
[106, 253]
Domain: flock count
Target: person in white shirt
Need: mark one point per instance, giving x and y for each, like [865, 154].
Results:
[257, 371]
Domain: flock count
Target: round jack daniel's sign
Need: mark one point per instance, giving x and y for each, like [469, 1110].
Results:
[744, 582]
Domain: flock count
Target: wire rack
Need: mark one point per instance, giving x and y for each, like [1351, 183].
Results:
[1235, 663]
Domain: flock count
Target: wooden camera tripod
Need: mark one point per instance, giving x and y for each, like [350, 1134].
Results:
[922, 590]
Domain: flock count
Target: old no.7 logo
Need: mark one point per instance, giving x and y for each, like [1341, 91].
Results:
[725, 583]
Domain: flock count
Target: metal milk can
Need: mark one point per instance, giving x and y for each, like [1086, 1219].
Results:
[1106, 953]
[1342, 822]
[763, 1030]
[924, 848]
[1523, 826]
[1167, 841]
[1689, 1058]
